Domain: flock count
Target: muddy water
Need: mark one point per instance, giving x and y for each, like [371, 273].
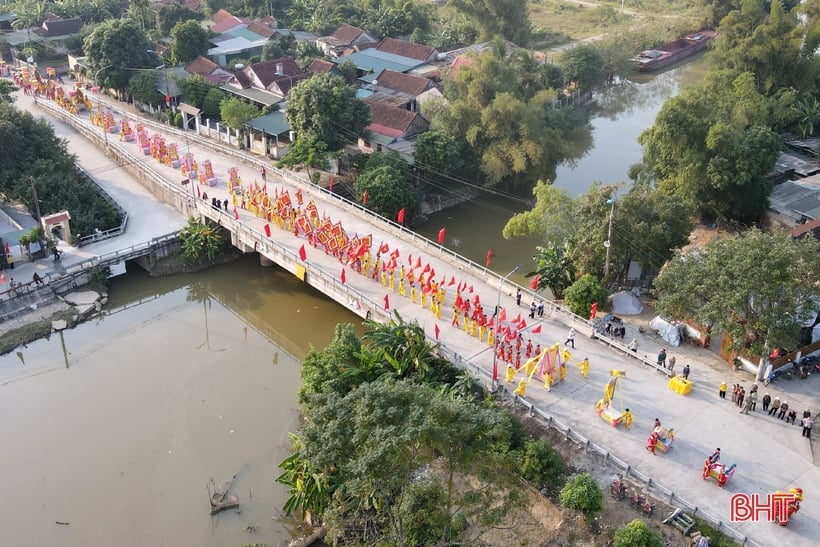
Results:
[117, 428]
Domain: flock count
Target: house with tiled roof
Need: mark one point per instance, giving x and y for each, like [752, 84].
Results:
[221, 15]
[404, 48]
[268, 82]
[261, 30]
[229, 23]
[53, 28]
[320, 66]
[209, 70]
[402, 89]
[389, 125]
[344, 37]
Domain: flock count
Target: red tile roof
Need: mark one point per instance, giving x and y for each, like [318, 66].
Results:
[347, 33]
[202, 66]
[227, 24]
[261, 30]
[266, 71]
[406, 83]
[221, 15]
[385, 115]
[320, 66]
[406, 49]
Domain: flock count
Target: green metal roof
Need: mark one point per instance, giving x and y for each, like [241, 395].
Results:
[274, 123]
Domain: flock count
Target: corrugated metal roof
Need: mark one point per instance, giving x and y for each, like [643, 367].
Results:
[374, 61]
[274, 123]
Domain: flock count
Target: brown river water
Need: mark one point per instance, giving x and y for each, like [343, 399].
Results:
[182, 379]
[117, 428]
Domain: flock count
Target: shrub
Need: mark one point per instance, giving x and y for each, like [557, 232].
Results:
[584, 494]
[581, 294]
[543, 465]
[201, 239]
[637, 534]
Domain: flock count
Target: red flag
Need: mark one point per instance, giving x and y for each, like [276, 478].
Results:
[3, 277]
[470, 290]
[267, 230]
[490, 323]
[344, 277]
[438, 330]
[426, 268]
[442, 234]
[522, 325]
[364, 199]
[198, 193]
[400, 218]
[502, 316]
[534, 284]
[452, 281]
[330, 186]
[386, 302]
[418, 263]
[384, 248]
[593, 311]
[516, 319]
[302, 253]
[409, 260]
[432, 273]
[489, 257]
[537, 330]
[235, 213]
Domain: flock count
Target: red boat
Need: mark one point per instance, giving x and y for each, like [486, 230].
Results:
[683, 47]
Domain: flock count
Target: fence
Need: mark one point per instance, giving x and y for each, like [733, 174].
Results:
[360, 303]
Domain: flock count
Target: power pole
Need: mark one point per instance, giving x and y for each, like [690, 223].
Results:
[36, 200]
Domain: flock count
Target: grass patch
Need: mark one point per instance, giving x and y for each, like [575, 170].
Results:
[719, 539]
[575, 21]
[33, 331]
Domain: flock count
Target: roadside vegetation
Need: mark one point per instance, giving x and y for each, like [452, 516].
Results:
[33, 155]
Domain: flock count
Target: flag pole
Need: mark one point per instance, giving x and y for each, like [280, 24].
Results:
[497, 306]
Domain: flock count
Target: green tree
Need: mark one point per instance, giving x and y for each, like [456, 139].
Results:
[236, 113]
[348, 71]
[306, 152]
[497, 17]
[438, 159]
[143, 87]
[756, 287]
[213, 103]
[584, 494]
[711, 145]
[189, 41]
[581, 294]
[113, 49]
[554, 268]
[6, 89]
[172, 14]
[326, 108]
[389, 190]
[636, 533]
[195, 89]
[583, 65]
[543, 465]
[201, 239]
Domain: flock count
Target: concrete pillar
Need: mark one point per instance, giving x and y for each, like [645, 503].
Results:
[266, 262]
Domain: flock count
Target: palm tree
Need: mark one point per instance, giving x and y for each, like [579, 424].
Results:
[808, 116]
[554, 268]
[402, 346]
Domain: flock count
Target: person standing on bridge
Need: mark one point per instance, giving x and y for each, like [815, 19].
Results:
[570, 338]
[517, 297]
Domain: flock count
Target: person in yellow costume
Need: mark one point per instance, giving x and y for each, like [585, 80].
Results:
[392, 280]
[566, 355]
[609, 390]
[521, 390]
[584, 367]
[437, 311]
[482, 330]
[424, 301]
[402, 288]
[510, 374]
[466, 323]
[563, 371]
[491, 337]
[529, 366]
[384, 278]
[627, 418]
[547, 381]
[413, 294]
[473, 326]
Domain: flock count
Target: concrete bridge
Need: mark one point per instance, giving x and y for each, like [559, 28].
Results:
[701, 420]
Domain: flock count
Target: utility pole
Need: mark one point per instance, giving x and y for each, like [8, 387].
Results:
[608, 242]
[36, 200]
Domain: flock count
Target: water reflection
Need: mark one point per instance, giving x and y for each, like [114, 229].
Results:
[148, 412]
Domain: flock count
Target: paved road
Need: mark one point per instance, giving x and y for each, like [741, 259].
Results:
[770, 455]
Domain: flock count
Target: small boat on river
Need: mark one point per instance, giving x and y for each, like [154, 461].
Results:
[683, 47]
